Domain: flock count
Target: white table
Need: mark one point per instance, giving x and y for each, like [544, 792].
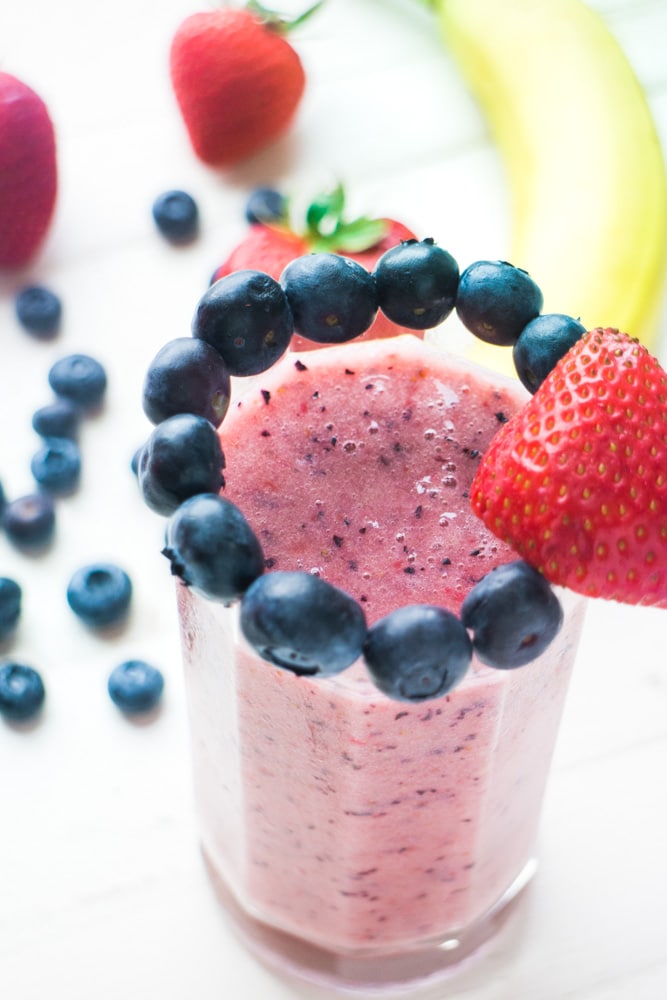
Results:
[102, 890]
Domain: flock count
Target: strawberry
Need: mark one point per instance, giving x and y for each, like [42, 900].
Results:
[576, 481]
[28, 172]
[237, 80]
[270, 248]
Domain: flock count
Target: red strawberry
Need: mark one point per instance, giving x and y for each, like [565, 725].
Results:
[270, 248]
[265, 248]
[576, 481]
[28, 172]
[237, 80]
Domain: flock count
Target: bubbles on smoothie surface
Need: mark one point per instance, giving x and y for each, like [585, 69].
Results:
[366, 484]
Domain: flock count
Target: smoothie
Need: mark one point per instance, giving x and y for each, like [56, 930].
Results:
[330, 812]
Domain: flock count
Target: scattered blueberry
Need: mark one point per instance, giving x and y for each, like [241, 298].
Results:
[135, 686]
[181, 458]
[176, 216]
[56, 466]
[541, 344]
[495, 301]
[100, 594]
[245, 316]
[39, 310]
[30, 520]
[79, 378]
[3, 500]
[187, 376]
[302, 623]
[59, 419]
[265, 204]
[21, 692]
[417, 652]
[513, 614]
[212, 548]
[416, 284]
[10, 605]
[332, 298]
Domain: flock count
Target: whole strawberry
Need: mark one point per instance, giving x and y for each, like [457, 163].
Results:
[270, 248]
[237, 80]
[28, 172]
[576, 481]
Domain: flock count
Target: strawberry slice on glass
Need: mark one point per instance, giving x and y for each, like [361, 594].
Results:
[576, 481]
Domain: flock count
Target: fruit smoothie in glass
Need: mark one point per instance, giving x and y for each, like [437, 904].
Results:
[359, 840]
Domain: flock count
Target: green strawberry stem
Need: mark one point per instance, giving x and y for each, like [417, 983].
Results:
[327, 230]
[275, 21]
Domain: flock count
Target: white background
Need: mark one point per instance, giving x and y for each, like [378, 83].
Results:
[102, 890]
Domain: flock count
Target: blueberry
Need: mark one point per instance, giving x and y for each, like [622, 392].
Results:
[59, 419]
[332, 298]
[135, 458]
[56, 466]
[176, 216]
[39, 310]
[495, 300]
[10, 605]
[30, 520]
[79, 378]
[100, 594]
[135, 686]
[246, 318]
[302, 623]
[187, 376]
[212, 548]
[181, 458]
[265, 204]
[417, 652]
[21, 692]
[541, 344]
[513, 614]
[3, 500]
[416, 284]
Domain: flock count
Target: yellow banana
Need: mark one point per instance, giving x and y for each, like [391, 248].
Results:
[584, 164]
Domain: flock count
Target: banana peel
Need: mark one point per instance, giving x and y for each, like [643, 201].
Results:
[584, 164]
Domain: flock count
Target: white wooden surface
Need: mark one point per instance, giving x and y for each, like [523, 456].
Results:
[102, 891]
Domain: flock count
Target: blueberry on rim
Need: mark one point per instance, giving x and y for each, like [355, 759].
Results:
[417, 652]
[513, 614]
[495, 301]
[332, 298]
[22, 691]
[212, 548]
[416, 284]
[186, 376]
[182, 457]
[100, 594]
[245, 316]
[302, 623]
[541, 344]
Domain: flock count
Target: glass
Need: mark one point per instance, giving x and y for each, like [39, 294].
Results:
[356, 841]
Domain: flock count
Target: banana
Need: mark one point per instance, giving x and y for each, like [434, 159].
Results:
[583, 161]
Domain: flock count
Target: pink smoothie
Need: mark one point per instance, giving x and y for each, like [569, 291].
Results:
[331, 812]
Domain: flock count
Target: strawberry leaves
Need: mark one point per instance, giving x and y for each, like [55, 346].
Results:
[327, 229]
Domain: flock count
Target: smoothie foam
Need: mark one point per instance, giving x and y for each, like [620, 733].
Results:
[331, 812]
